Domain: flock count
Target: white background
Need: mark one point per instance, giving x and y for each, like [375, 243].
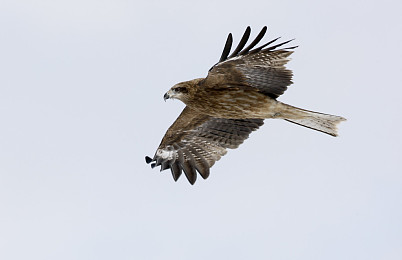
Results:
[81, 104]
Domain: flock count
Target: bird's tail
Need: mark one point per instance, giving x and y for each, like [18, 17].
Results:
[321, 122]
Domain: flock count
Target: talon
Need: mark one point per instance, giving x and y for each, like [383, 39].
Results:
[148, 159]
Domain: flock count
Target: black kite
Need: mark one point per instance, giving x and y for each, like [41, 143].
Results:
[222, 109]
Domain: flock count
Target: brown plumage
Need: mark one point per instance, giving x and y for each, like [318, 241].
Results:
[222, 109]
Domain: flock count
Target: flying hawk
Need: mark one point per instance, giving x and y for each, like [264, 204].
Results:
[222, 109]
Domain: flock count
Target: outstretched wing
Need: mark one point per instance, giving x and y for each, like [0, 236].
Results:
[262, 68]
[195, 142]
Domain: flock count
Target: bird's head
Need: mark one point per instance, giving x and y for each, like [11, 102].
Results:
[183, 91]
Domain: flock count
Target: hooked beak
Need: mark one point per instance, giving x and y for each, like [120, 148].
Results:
[166, 96]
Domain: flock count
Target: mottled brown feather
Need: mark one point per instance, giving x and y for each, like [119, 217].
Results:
[197, 141]
[263, 71]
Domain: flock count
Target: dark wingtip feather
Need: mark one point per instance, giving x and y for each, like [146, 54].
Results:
[242, 42]
[205, 173]
[255, 42]
[148, 159]
[226, 49]
[192, 181]
[153, 165]
[278, 45]
[263, 46]
[290, 48]
[176, 171]
[189, 171]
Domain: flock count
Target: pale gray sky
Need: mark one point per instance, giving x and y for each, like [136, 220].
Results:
[81, 104]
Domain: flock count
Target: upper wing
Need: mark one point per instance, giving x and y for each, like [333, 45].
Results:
[194, 142]
[262, 68]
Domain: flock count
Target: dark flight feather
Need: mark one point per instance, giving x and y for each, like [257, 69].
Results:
[226, 49]
[176, 170]
[278, 45]
[255, 42]
[263, 46]
[242, 42]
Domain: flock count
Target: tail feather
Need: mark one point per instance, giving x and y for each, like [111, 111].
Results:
[317, 121]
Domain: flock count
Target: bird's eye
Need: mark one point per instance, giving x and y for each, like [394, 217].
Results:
[181, 89]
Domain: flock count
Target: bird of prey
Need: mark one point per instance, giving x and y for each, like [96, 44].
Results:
[239, 92]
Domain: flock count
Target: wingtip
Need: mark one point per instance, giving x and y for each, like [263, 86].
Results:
[227, 48]
[205, 174]
[229, 40]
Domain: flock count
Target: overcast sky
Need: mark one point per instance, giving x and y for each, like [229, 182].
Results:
[81, 104]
